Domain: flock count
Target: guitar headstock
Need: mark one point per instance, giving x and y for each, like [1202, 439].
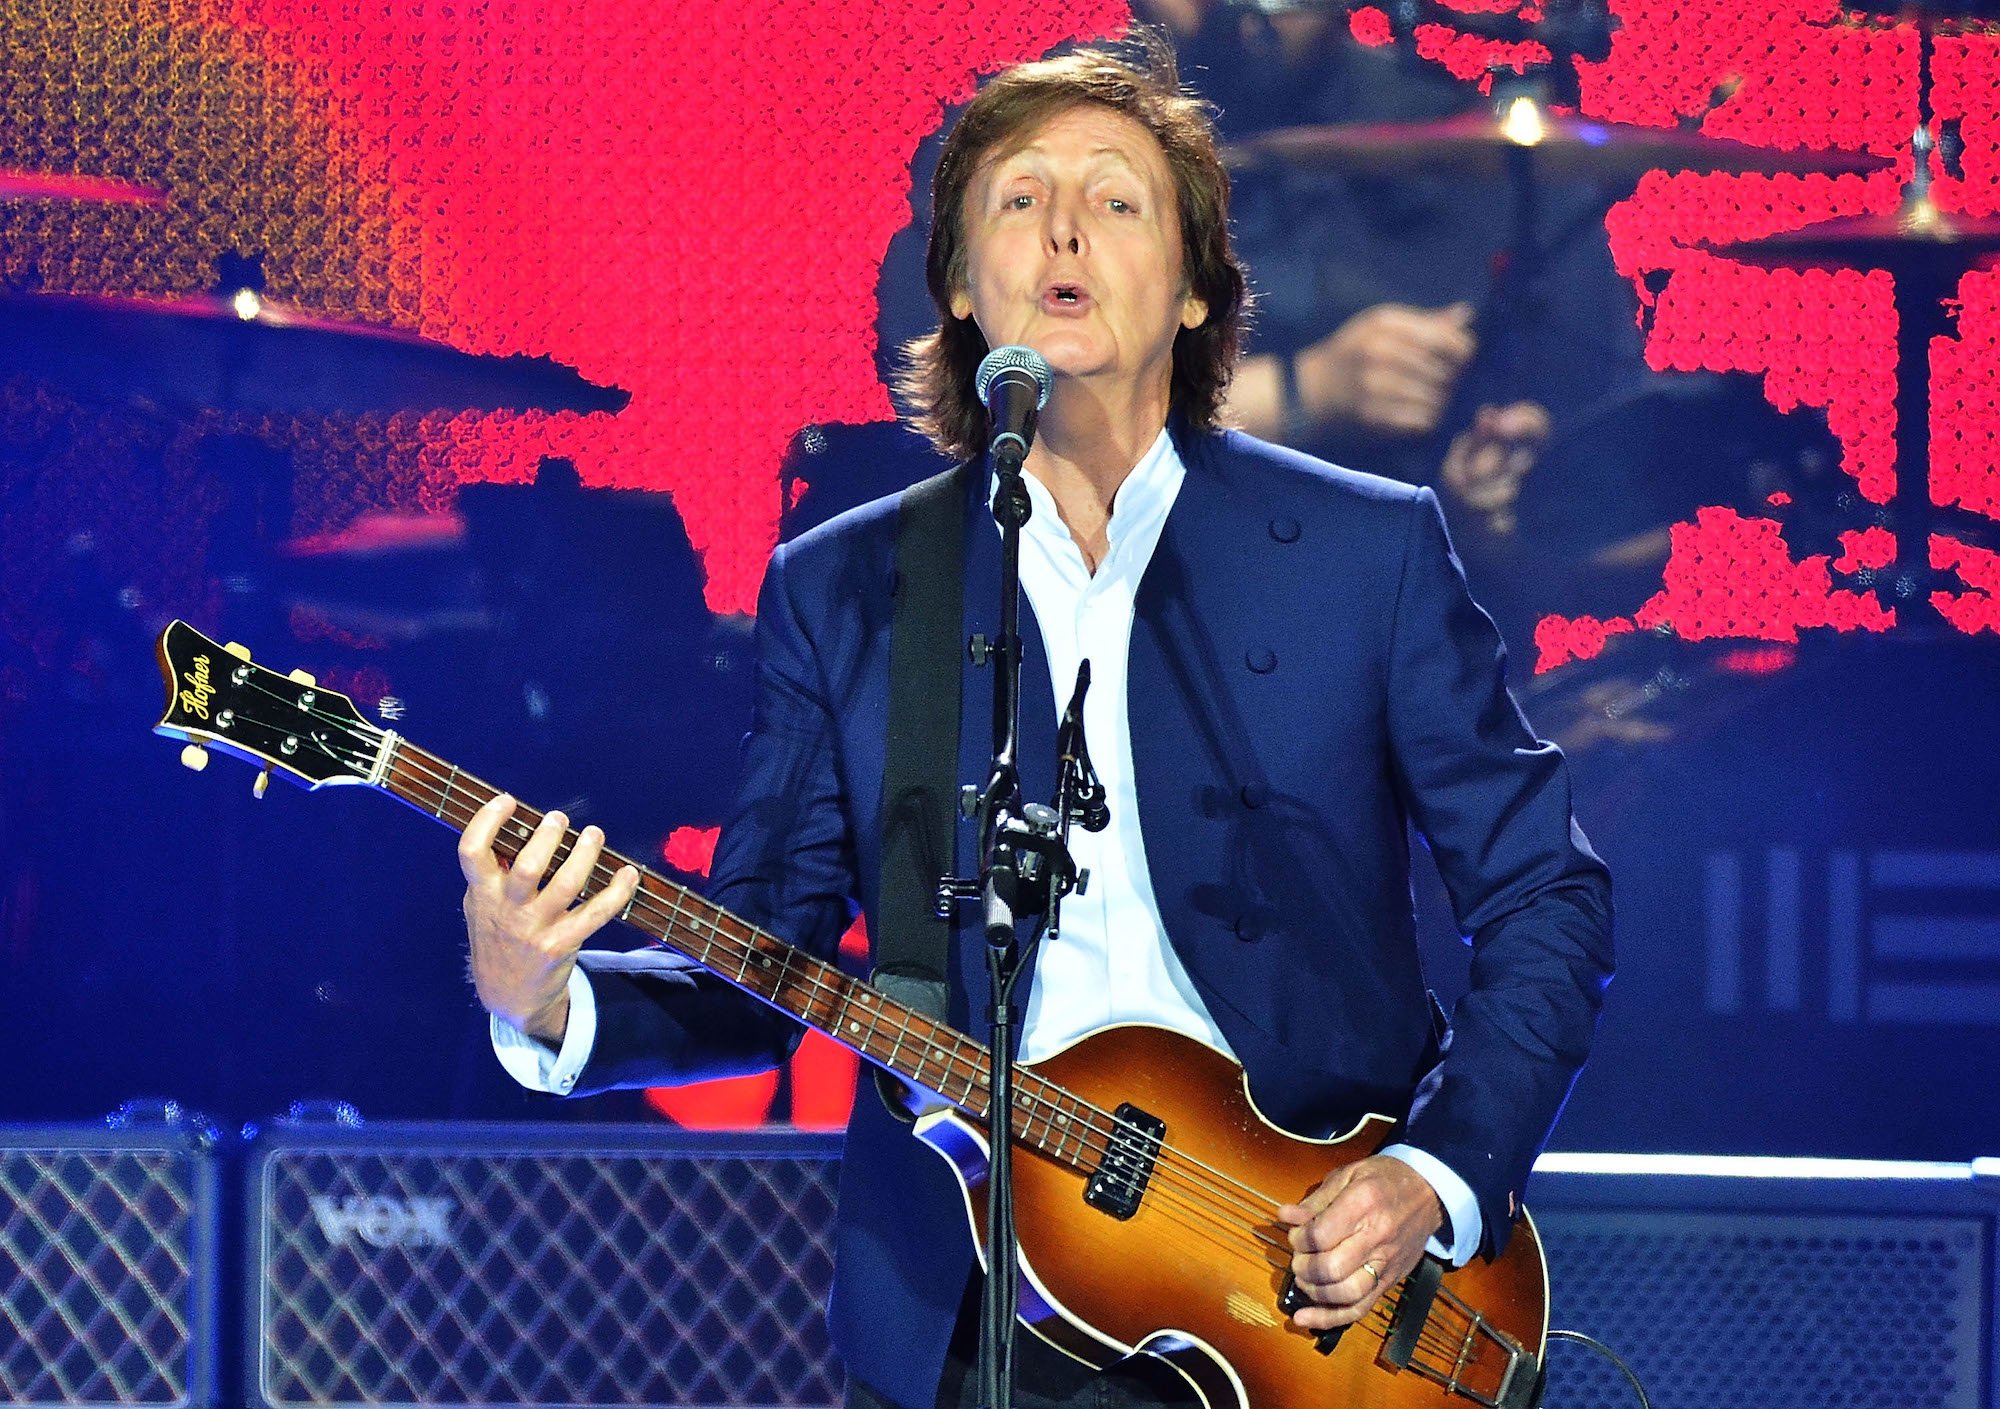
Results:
[287, 724]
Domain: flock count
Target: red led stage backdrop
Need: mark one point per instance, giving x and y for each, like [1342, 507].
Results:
[692, 202]
[688, 201]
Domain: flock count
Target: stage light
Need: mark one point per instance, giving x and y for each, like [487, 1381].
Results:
[1523, 122]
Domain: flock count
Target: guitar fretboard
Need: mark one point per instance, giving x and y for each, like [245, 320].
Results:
[853, 1013]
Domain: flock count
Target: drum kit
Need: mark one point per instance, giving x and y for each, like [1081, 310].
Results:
[1521, 140]
[236, 352]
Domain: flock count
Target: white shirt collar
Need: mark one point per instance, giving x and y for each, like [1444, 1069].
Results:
[1138, 511]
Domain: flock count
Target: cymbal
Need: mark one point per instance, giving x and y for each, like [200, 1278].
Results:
[1484, 142]
[65, 186]
[382, 534]
[389, 576]
[250, 354]
[1875, 239]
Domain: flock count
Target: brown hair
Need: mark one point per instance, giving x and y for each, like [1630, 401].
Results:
[937, 380]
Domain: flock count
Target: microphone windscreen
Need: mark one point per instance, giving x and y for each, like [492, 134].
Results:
[1026, 359]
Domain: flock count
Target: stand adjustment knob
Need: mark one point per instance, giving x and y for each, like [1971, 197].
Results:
[951, 890]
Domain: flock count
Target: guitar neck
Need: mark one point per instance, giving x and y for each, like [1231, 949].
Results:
[853, 1013]
[218, 698]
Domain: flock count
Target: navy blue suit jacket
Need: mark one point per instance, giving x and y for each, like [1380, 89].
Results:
[1308, 677]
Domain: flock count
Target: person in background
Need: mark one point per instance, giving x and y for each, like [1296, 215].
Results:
[1379, 341]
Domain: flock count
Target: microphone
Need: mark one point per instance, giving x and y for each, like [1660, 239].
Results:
[1014, 383]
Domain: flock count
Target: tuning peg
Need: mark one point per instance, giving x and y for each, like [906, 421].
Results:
[195, 756]
[303, 678]
[238, 649]
[263, 782]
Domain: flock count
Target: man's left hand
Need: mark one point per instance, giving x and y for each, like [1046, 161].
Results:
[1361, 1231]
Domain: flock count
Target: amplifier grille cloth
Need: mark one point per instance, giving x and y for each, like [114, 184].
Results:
[95, 1283]
[526, 1278]
[1781, 1312]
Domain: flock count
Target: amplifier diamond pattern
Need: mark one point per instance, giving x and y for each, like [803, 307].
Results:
[575, 1278]
[1769, 1310]
[95, 1282]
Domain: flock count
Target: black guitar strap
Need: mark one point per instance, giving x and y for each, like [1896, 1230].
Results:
[920, 783]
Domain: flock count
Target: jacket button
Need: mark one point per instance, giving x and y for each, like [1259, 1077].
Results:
[1249, 928]
[1255, 794]
[1261, 660]
[1285, 530]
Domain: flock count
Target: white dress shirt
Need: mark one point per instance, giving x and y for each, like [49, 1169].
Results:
[1112, 962]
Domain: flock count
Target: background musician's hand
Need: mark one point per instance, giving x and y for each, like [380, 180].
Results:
[1489, 459]
[1389, 369]
[525, 934]
[1181, 18]
[1362, 1230]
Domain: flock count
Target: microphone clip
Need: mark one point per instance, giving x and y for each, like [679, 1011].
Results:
[1079, 791]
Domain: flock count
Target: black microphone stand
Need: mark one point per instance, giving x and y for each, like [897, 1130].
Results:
[1025, 869]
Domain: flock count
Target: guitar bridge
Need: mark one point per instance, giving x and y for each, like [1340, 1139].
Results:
[1118, 1183]
[1436, 1336]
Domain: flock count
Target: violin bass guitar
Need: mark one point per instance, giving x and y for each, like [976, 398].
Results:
[1146, 1182]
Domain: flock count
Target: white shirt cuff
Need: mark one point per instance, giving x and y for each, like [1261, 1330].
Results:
[529, 1060]
[1454, 1193]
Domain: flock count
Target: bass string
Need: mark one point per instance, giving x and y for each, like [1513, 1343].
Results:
[363, 734]
[1189, 1214]
[1189, 1192]
[1106, 1125]
[366, 737]
[1207, 1229]
[1249, 1201]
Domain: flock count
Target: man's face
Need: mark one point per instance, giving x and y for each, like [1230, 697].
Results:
[1073, 248]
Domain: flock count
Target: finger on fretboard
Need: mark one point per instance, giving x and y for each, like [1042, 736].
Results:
[516, 831]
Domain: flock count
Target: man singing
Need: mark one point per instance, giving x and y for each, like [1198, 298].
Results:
[1288, 673]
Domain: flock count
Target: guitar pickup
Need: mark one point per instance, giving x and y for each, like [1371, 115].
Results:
[1119, 1182]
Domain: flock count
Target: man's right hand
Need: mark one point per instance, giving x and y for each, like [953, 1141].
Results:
[525, 934]
[1389, 369]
